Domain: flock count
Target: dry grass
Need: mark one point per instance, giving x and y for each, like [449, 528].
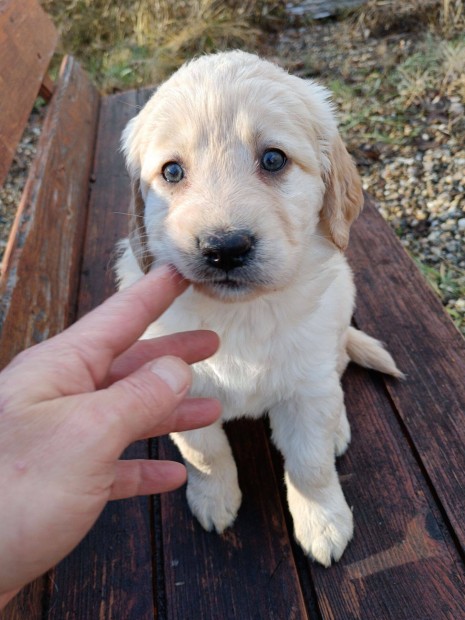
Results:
[128, 43]
[436, 68]
[452, 17]
[445, 17]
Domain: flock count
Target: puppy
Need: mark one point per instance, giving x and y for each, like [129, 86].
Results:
[241, 181]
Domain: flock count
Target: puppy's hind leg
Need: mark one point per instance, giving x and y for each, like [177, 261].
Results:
[213, 491]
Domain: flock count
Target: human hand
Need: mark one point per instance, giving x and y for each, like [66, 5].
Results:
[68, 409]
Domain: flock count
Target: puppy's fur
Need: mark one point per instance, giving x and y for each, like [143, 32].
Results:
[283, 308]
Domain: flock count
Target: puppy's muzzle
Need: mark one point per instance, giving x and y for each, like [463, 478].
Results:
[227, 250]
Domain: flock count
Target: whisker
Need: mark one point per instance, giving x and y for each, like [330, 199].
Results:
[135, 106]
[127, 213]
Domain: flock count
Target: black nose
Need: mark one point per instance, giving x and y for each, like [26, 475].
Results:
[226, 250]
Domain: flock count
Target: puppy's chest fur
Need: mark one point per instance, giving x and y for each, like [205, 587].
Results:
[270, 348]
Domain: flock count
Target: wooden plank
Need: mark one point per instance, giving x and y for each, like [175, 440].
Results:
[395, 304]
[27, 42]
[39, 284]
[109, 575]
[248, 571]
[27, 603]
[402, 563]
[109, 202]
[42, 260]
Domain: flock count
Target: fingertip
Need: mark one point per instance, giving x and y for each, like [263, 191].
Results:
[216, 408]
[173, 473]
[174, 372]
[169, 273]
[194, 413]
[214, 338]
[143, 477]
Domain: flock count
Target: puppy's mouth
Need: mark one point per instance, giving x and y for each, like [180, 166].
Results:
[227, 287]
[239, 284]
[228, 283]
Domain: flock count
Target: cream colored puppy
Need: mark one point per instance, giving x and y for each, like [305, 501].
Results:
[241, 181]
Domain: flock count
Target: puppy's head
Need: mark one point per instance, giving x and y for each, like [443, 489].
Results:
[237, 168]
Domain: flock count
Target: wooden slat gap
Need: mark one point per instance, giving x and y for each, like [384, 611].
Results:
[158, 560]
[74, 311]
[47, 88]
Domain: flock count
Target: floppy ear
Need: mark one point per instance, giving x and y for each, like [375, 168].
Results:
[343, 199]
[137, 231]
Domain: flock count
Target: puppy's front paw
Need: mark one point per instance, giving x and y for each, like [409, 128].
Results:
[214, 498]
[322, 532]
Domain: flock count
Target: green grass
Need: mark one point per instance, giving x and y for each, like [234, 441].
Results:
[448, 282]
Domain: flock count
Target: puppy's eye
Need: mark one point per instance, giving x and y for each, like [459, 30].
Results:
[172, 172]
[273, 160]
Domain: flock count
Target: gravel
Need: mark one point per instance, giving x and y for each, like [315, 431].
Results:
[411, 155]
[10, 193]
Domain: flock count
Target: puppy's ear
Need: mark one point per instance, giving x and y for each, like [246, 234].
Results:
[343, 199]
[131, 144]
[137, 230]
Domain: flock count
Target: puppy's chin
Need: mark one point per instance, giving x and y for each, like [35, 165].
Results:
[229, 291]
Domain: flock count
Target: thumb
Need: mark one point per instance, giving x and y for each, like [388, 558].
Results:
[144, 400]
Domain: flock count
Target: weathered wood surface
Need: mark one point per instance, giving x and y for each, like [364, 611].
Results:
[247, 572]
[402, 563]
[27, 42]
[396, 304]
[148, 558]
[110, 574]
[41, 264]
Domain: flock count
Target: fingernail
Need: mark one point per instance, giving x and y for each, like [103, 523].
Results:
[174, 372]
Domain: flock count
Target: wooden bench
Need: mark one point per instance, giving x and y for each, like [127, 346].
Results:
[147, 557]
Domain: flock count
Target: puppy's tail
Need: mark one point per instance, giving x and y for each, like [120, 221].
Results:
[370, 353]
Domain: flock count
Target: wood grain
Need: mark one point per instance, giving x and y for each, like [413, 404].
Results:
[395, 304]
[27, 42]
[249, 570]
[109, 575]
[27, 603]
[40, 280]
[109, 202]
[402, 563]
[39, 285]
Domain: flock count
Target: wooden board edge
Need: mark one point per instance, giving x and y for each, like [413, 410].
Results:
[31, 12]
[25, 228]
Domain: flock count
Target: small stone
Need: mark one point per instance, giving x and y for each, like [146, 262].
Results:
[456, 109]
[452, 247]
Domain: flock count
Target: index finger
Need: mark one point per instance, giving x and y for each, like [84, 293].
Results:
[113, 327]
[192, 347]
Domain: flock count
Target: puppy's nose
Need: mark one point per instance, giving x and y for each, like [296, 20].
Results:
[226, 250]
